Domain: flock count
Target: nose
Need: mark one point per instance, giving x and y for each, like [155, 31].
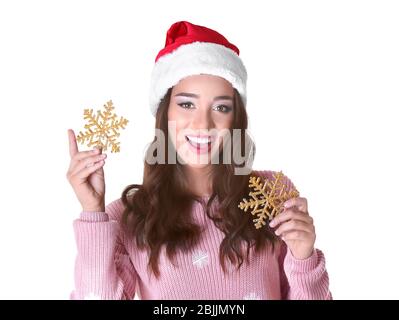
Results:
[202, 119]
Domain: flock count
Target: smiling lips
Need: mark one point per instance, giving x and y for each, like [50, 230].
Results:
[201, 144]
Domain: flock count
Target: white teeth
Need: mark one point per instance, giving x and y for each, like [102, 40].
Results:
[199, 140]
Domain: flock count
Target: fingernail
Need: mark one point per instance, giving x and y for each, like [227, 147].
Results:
[271, 223]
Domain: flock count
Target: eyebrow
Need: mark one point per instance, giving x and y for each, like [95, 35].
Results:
[193, 95]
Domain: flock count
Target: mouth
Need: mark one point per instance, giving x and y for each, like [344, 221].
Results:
[200, 144]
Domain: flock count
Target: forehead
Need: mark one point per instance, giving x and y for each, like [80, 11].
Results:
[204, 83]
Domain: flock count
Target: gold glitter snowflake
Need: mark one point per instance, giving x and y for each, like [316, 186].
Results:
[102, 129]
[268, 198]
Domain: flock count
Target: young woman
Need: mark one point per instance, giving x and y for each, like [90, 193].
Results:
[180, 234]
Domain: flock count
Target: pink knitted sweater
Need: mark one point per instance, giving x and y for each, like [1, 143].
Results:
[110, 267]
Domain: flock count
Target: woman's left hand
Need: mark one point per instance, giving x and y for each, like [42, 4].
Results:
[296, 228]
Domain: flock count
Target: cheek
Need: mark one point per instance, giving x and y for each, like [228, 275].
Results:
[224, 124]
[178, 122]
[224, 121]
[176, 132]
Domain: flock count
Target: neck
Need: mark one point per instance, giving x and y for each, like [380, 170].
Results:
[199, 180]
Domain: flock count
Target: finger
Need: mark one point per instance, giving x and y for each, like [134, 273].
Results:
[82, 155]
[79, 157]
[88, 170]
[297, 235]
[294, 225]
[291, 214]
[300, 202]
[73, 146]
[88, 162]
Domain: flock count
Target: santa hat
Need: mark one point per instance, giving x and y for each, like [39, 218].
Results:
[191, 50]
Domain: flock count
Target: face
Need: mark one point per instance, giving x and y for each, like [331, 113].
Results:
[199, 116]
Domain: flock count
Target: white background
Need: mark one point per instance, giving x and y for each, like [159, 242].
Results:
[323, 95]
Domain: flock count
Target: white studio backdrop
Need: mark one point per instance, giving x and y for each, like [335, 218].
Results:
[323, 95]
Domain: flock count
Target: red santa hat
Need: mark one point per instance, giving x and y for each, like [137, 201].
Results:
[191, 50]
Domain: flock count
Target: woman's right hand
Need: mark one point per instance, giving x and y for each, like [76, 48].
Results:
[86, 175]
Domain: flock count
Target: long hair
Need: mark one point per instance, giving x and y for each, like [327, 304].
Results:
[158, 212]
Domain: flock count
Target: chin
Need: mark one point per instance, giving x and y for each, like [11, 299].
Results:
[197, 165]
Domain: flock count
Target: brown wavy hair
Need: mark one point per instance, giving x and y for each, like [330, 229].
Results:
[157, 213]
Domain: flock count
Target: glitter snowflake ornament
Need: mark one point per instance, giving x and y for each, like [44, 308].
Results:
[102, 129]
[268, 198]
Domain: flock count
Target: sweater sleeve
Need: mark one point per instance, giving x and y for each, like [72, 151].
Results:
[103, 269]
[303, 279]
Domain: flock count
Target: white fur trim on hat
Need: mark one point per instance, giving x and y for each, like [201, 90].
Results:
[192, 59]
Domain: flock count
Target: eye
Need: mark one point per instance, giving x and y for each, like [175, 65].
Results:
[184, 105]
[223, 108]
